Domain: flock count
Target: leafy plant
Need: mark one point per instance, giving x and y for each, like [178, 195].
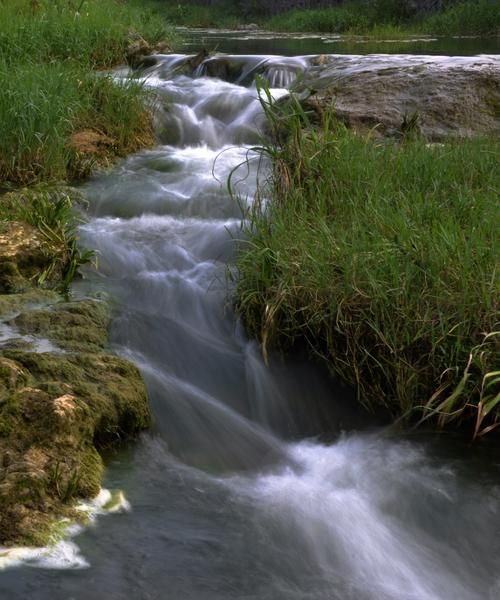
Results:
[52, 214]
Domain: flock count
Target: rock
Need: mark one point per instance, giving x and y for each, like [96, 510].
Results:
[248, 27]
[452, 98]
[56, 411]
[73, 326]
[22, 254]
[137, 49]
[11, 280]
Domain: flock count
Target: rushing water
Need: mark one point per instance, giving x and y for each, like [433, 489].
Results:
[257, 482]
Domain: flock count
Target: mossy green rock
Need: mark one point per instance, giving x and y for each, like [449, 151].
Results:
[74, 326]
[56, 410]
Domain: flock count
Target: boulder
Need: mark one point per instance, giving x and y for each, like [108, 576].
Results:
[457, 97]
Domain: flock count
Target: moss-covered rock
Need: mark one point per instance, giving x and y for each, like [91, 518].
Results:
[11, 280]
[74, 326]
[55, 411]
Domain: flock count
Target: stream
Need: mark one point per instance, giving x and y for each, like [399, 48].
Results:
[257, 482]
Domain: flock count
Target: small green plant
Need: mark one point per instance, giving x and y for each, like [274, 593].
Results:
[66, 488]
[52, 214]
[410, 126]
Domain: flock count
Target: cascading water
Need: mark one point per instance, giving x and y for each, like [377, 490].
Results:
[239, 492]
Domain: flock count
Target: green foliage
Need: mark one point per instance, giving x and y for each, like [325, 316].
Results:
[481, 17]
[188, 14]
[382, 257]
[94, 33]
[478, 17]
[52, 214]
[48, 53]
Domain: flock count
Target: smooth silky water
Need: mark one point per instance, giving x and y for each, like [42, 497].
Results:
[260, 482]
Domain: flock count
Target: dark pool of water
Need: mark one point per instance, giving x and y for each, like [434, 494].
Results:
[239, 42]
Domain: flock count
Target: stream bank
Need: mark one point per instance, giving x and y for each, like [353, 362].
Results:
[63, 396]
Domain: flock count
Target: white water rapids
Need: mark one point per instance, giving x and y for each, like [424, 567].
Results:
[239, 492]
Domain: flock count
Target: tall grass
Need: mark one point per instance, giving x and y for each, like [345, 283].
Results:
[478, 17]
[188, 14]
[383, 259]
[49, 52]
[96, 35]
[42, 105]
[473, 18]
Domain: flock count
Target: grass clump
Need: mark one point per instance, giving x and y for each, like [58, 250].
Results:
[59, 120]
[45, 249]
[382, 257]
[57, 116]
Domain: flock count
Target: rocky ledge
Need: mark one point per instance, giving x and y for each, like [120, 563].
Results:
[63, 396]
[443, 97]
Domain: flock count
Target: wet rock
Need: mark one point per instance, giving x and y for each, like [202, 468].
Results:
[248, 27]
[451, 100]
[11, 280]
[22, 255]
[218, 68]
[73, 326]
[55, 411]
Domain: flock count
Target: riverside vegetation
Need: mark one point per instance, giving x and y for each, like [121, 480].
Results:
[374, 18]
[394, 18]
[58, 117]
[383, 257]
[63, 397]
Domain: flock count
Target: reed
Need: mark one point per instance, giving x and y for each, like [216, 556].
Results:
[382, 258]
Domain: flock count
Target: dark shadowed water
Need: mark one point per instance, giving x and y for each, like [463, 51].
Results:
[257, 482]
[295, 44]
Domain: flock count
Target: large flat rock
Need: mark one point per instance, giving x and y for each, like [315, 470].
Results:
[452, 96]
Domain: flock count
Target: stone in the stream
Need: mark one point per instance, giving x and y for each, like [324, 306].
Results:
[455, 100]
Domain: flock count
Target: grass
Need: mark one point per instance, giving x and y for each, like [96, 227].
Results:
[382, 257]
[92, 33]
[50, 211]
[49, 52]
[185, 14]
[388, 17]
